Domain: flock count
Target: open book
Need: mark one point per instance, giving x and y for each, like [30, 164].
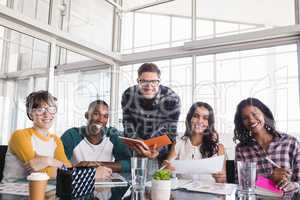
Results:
[266, 187]
[159, 141]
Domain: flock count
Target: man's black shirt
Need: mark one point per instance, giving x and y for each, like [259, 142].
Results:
[145, 118]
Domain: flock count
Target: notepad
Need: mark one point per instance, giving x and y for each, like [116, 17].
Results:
[159, 141]
[267, 187]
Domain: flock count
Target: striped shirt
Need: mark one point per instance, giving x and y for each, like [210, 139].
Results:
[284, 150]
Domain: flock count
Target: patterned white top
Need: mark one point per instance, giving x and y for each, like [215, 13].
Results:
[186, 151]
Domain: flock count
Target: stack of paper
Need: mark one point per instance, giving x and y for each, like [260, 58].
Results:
[213, 188]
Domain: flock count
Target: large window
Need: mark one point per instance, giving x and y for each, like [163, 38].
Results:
[35, 9]
[91, 21]
[270, 74]
[143, 31]
[170, 24]
[24, 63]
[219, 18]
[75, 91]
[223, 80]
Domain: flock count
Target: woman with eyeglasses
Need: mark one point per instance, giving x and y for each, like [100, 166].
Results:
[277, 155]
[36, 148]
[200, 141]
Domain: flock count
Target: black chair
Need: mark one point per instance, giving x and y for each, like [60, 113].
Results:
[230, 171]
[3, 150]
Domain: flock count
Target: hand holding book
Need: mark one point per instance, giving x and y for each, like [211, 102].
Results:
[148, 148]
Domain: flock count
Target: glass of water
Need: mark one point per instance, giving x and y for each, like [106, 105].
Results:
[247, 177]
[138, 173]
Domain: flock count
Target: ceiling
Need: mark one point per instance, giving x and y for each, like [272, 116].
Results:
[260, 12]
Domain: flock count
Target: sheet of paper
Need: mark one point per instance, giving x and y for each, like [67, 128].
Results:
[214, 188]
[202, 166]
[116, 180]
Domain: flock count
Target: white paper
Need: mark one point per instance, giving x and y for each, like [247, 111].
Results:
[214, 188]
[201, 166]
[19, 188]
[116, 180]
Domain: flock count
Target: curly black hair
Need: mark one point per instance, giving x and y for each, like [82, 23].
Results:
[209, 147]
[241, 133]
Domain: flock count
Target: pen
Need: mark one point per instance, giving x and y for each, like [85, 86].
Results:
[272, 162]
[164, 166]
[127, 193]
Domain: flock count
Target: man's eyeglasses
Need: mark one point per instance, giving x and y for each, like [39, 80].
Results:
[40, 111]
[143, 82]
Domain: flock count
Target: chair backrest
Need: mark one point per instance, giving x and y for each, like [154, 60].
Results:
[230, 171]
[3, 150]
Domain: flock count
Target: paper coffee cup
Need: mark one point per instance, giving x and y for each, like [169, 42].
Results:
[37, 185]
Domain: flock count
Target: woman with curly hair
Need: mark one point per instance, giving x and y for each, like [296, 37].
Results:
[200, 140]
[260, 142]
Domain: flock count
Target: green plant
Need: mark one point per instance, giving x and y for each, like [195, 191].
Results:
[162, 174]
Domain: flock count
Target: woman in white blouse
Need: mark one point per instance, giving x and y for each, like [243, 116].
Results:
[200, 140]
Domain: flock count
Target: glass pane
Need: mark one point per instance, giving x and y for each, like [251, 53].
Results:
[185, 94]
[35, 9]
[92, 21]
[181, 72]
[24, 52]
[181, 30]
[160, 29]
[269, 74]
[75, 89]
[127, 31]
[43, 10]
[142, 31]
[235, 17]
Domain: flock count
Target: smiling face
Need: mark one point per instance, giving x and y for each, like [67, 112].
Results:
[199, 121]
[148, 84]
[253, 119]
[43, 116]
[97, 117]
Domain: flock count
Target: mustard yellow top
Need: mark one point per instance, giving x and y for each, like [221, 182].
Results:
[25, 144]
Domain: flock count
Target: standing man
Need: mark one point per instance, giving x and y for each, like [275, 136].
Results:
[97, 142]
[150, 109]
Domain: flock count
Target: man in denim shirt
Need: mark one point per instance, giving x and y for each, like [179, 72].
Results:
[150, 109]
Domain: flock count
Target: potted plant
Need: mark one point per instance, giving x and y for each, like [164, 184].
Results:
[161, 185]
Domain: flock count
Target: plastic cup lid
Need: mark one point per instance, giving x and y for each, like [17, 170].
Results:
[37, 176]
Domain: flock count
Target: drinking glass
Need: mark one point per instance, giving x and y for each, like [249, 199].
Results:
[247, 177]
[138, 173]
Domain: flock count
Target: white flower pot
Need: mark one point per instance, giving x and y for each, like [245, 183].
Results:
[160, 189]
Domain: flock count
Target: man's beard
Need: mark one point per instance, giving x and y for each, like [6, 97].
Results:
[95, 129]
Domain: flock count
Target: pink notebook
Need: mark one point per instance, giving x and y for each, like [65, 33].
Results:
[267, 187]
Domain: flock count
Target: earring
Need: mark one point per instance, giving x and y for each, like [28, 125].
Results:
[268, 127]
